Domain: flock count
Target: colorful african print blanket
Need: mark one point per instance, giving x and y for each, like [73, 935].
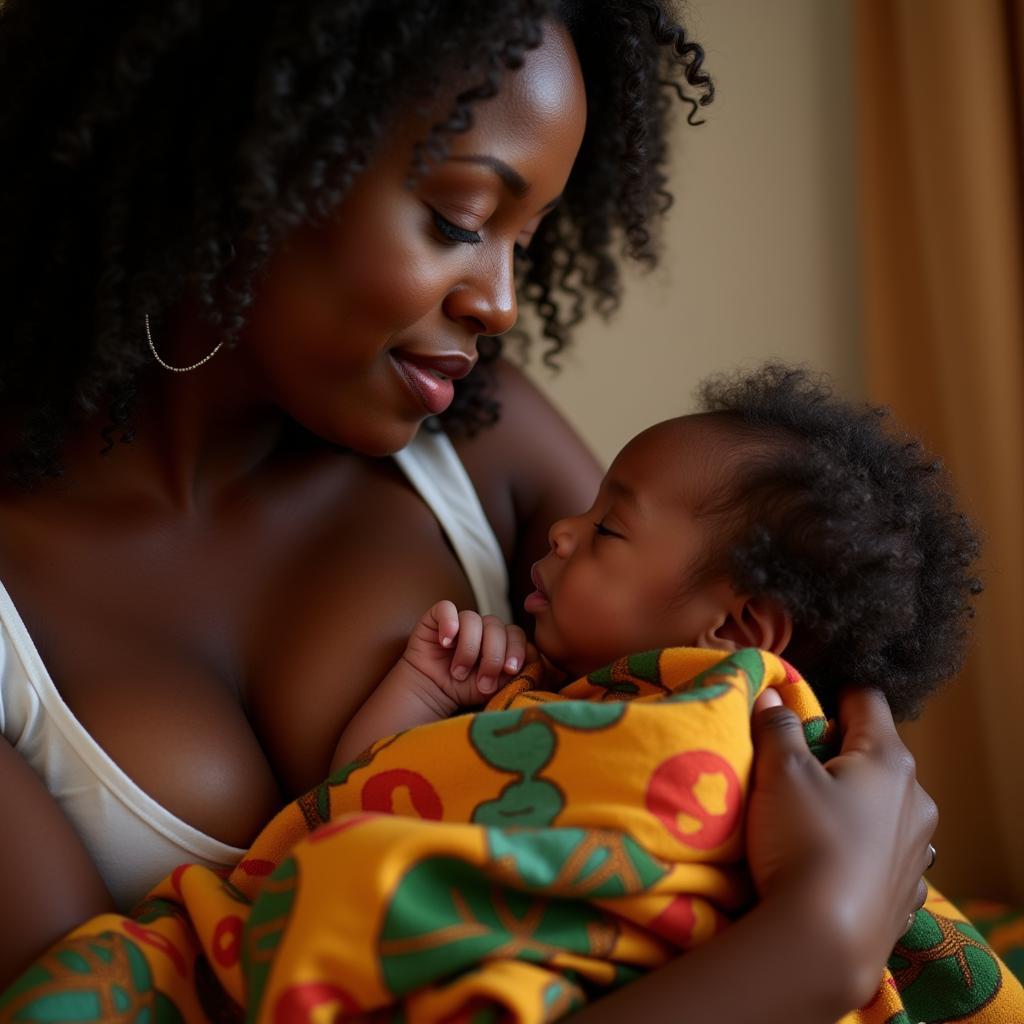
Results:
[504, 865]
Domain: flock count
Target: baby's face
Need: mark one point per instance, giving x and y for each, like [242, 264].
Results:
[615, 579]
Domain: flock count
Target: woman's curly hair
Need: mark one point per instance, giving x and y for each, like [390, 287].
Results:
[849, 526]
[164, 146]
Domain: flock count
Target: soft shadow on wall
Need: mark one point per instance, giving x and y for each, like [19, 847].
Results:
[759, 256]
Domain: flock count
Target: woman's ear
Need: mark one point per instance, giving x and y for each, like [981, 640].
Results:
[749, 622]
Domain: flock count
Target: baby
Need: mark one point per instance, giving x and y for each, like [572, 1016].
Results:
[778, 518]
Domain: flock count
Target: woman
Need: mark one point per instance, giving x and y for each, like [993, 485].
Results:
[247, 252]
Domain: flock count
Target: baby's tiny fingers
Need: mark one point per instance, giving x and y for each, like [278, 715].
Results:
[468, 648]
[515, 648]
[446, 615]
[492, 654]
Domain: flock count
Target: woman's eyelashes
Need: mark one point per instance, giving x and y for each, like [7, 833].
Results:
[452, 232]
[603, 531]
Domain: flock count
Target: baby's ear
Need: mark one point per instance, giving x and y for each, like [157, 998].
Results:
[750, 622]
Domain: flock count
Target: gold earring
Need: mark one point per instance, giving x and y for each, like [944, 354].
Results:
[177, 369]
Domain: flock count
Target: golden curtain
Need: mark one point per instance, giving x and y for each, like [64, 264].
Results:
[940, 86]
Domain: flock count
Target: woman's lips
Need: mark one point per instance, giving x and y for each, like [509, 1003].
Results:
[426, 379]
[538, 600]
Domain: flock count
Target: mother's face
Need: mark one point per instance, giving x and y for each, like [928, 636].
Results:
[358, 326]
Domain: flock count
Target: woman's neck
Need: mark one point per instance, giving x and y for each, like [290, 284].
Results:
[195, 436]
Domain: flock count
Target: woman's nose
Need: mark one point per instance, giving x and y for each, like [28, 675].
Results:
[486, 301]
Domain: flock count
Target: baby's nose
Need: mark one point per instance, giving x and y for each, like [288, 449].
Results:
[562, 537]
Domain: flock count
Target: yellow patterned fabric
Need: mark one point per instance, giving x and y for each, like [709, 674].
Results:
[504, 865]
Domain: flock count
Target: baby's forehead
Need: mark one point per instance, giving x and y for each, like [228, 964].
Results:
[682, 444]
[684, 451]
[690, 457]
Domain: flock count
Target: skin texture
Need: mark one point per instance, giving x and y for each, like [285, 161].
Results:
[216, 600]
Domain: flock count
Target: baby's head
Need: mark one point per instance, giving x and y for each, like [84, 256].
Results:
[778, 518]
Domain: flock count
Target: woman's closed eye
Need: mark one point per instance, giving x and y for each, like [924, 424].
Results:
[603, 531]
[452, 232]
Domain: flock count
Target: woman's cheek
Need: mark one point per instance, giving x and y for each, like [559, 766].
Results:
[394, 282]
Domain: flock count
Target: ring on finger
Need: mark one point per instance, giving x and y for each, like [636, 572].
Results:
[911, 918]
[931, 857]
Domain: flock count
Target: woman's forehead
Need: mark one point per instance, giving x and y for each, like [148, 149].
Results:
[542, 101]
[549, 85]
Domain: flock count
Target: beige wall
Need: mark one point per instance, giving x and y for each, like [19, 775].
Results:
[759, 256]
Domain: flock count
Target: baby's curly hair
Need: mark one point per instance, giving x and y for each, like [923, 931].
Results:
[850, 526]
[160, 146]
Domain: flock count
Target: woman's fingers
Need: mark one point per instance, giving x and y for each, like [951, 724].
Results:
[769, 698]
[854, 832]
[921, 895]
[778, 736]
[872, 747]
[866, 721]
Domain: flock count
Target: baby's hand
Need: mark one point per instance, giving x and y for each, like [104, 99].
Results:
[464, 654]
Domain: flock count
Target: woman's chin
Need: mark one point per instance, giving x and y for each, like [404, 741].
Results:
[372, 439]
[379, 447]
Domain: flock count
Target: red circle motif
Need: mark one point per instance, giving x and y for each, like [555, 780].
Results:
[676, 922]
[255, 867]
[227, 941]
[296, 1004]
[176, 877]
[378, 793]
[158, 941]
[672, 792]
[343, 824]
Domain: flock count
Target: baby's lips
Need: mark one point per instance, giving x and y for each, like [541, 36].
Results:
[537, 580]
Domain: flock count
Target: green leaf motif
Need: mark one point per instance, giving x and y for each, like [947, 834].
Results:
[744, 668]
[943, 969]
[583, 715]
[533, 802]
[510, 744]
[81, 980]
[265, 928]
[576, 862]
[445, 917]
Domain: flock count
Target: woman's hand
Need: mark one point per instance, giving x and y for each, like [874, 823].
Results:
[837, 852]
[464, 654]
[851, 836]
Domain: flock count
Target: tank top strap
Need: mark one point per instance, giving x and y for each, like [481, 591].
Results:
[432, 466]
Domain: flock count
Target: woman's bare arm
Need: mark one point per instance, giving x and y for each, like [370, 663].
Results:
[48, 884]
[776, 965]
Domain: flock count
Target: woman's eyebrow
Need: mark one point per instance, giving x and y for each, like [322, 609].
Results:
[513, 180]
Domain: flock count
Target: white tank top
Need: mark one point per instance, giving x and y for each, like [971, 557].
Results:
[133, 840]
